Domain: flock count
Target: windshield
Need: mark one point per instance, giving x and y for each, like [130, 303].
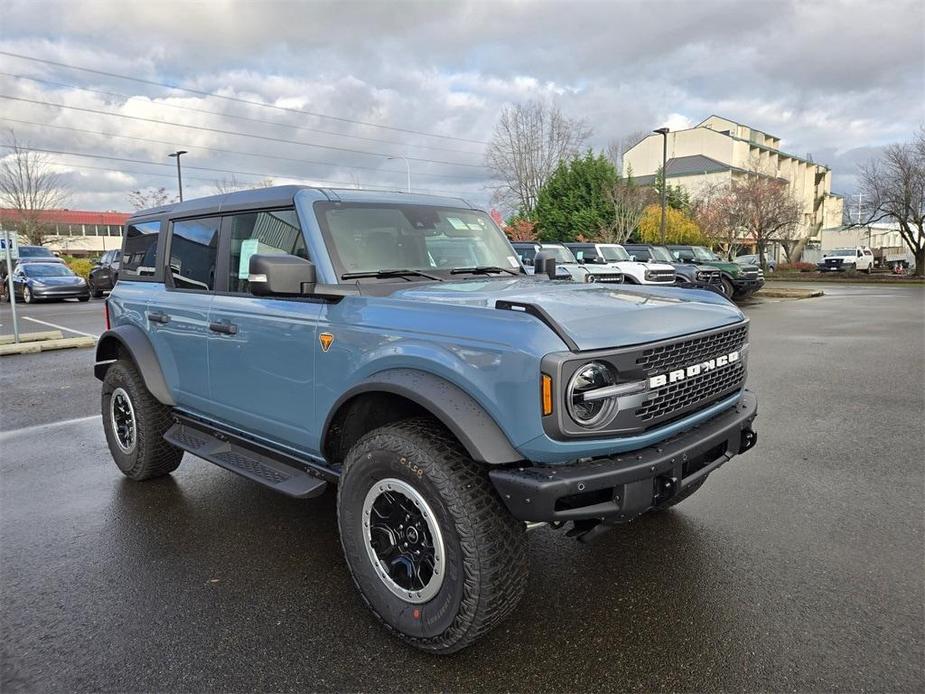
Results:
[367, 237]
[35, 252]
[563, 255]
[662, 254]
[46, 270]
[842, 251]
[702, 253]
[614, 253]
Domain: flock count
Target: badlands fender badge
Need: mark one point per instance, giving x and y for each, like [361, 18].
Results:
[695, 370]
[326, 340]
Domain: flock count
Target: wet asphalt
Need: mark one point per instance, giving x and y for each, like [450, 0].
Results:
[798, 566]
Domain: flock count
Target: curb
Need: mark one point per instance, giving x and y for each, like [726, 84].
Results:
[46, 345]
[32, 337]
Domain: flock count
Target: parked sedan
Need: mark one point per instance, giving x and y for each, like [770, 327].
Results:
[753, 260]
[37, 281]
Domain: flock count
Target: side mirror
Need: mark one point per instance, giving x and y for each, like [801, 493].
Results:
[280, 275]
[633, 258]
[545, 262]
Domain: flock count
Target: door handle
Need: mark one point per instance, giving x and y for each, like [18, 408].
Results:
[157, 317]
[223, 328]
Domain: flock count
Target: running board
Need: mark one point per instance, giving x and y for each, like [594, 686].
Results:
[273, 469]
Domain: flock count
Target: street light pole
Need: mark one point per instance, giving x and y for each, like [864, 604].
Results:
[407, 168]
[664, 133]
[178, 154]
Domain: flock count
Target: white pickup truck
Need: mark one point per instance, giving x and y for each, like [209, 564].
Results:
[613, 255]
[859, 258]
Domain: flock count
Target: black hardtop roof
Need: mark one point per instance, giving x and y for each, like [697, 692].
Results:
[282, 196]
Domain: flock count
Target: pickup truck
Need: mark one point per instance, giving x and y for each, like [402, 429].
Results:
[860, 258]
[393, 346]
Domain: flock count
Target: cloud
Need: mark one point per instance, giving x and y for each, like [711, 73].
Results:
[834, 79]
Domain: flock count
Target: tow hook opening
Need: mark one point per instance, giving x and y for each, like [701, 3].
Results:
[748, 441]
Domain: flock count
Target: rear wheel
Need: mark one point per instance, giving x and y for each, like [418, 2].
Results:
[135, 424]
[431, 547]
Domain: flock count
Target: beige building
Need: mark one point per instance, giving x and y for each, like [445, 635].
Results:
[718, 149]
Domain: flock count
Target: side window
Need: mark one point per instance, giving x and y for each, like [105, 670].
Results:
[139, 250]
[264, 233]
[193, 251]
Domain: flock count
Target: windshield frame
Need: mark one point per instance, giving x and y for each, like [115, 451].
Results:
[510, 259]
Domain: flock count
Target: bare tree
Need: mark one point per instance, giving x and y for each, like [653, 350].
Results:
[712, 209]
[150, 197]
[232, 184]
[628, 202]
[762, 207]
[529, 142]
[28, 185]
[617, 148]
[893, 187]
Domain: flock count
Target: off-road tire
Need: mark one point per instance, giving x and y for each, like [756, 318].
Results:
[485, 547]
[152, 456]
[728, 288]
[678, 498]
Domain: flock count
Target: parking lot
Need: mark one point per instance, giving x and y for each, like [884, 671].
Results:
[797, 567]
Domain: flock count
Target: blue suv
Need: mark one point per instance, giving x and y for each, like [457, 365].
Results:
[393, 345]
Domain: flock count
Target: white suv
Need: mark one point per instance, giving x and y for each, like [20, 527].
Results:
[613, 255]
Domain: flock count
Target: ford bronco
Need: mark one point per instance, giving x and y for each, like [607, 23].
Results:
[393, 345]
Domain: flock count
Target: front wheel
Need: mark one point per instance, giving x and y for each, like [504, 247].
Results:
[728, 289]
[95, 292]
[27, 295]
[431, 547]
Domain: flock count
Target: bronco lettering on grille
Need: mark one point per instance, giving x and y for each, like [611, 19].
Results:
[694, 370]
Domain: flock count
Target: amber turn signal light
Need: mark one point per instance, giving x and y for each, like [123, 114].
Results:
[547, 395]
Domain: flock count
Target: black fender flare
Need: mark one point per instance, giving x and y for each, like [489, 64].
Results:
[134, 341]
[459, 412]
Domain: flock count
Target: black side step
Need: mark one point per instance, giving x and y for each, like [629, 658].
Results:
[273, 469]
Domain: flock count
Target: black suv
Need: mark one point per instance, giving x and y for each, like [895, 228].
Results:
[104, 274]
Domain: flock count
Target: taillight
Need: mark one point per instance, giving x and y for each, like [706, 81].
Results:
[106, 312]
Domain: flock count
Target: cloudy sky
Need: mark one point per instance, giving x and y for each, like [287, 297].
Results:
[325, 93]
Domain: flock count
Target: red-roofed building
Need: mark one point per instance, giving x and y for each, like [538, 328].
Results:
[75, 232]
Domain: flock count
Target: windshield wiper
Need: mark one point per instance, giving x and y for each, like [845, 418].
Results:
[404, 274]
[483, 270]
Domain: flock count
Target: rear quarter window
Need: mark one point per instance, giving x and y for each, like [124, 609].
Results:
[139, 250]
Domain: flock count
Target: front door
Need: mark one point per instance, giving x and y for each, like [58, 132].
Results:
[177, 313]
[261, 350]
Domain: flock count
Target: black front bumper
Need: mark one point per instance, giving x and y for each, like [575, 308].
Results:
[622, 487]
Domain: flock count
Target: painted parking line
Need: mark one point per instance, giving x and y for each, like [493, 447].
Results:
[24, 431]
[61, 327]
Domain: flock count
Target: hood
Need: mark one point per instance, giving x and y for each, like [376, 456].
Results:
[595, 316]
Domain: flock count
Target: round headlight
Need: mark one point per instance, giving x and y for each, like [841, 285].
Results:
[591, 412]
[589, 278]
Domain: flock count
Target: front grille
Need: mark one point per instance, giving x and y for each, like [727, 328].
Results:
[707, 276]
[751, 274]
[601, 277]
[683, 394]
[675, 398]
[679, 355]
[660, 276]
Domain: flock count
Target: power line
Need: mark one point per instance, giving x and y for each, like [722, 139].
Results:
[262, 121]
[229, 132]
[217, 149]
[256, 174]
[167, 85]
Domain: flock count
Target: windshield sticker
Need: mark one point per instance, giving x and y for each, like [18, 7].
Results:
[458, 224]
[513, 261]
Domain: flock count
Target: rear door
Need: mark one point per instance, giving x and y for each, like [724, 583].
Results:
[262, 349]
[178, 310]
